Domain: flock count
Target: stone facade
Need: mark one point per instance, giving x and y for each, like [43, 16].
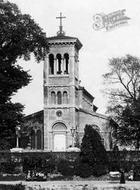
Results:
[68, 107]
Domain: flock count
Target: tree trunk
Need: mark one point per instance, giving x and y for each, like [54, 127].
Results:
[137, 144]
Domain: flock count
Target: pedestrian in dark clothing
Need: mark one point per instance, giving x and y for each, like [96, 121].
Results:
[122, 177]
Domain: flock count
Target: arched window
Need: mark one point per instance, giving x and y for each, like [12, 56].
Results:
[53, 98]
[32, 139]
[59, 98]
[66, 63]
[51, 64]
[59, 61]
[65, 97]
[38, 139]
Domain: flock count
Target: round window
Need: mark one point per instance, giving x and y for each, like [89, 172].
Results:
[59, 113]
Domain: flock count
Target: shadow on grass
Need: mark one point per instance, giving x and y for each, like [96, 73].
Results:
[12, 187]
[12, 178]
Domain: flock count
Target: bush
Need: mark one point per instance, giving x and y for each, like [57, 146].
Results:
[114, 166]
[36, 164]
[136, 171]
[65, 167]
[82, 169]
[126, 165]
[8, 167]
[92, 151]
[49, 166]
[99, 169]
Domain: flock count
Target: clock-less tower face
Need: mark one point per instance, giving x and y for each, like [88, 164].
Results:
[61, 80]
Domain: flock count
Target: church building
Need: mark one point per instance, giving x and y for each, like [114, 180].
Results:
[68, 107]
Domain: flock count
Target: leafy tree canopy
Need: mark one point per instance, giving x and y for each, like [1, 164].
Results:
[124, 94]
[19, 37]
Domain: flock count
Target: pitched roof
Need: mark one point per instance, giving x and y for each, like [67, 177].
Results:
[37, 116]
[94, 114]
[86, 92]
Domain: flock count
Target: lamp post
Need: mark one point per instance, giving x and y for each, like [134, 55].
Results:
[17, 149]
[73, 134]
[17, 135]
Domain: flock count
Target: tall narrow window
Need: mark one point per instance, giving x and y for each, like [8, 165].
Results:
[32, 139]
[59, 98]
[51, 64]
[66, 63]
[59, 61]
[65, 97]
[53, 98]
[38, 139]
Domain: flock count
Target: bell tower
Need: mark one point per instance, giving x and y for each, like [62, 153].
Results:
[61, 83]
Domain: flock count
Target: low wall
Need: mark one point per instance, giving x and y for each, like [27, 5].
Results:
[133, 156]
[5, 156]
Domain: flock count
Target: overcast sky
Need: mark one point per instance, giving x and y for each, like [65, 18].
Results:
[98, 46]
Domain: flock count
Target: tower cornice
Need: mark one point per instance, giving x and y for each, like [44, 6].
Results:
[64, 40]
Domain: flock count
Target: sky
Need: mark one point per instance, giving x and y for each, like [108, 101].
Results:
[98, 46]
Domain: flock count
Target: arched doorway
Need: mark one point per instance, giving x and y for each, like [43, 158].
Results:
[59, 137]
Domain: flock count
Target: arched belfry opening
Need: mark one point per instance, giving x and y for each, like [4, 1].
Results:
[59, 136]
[66, 63]
[59, 98]
[51, 64]
[65, 97]
[59, 63]
[53, 97]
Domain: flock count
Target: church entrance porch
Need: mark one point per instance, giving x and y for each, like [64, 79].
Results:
[59, 137]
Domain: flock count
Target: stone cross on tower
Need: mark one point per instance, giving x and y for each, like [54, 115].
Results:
[60, 32]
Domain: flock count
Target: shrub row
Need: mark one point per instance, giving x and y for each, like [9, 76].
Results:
[64, 166]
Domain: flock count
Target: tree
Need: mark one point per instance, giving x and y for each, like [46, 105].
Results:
[19, 37]
[93, 155]
[124, 95]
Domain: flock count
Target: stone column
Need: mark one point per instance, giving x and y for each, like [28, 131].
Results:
[55, 66]
[63, 66]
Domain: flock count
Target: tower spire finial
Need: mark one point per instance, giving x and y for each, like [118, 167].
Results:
[60, 32]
